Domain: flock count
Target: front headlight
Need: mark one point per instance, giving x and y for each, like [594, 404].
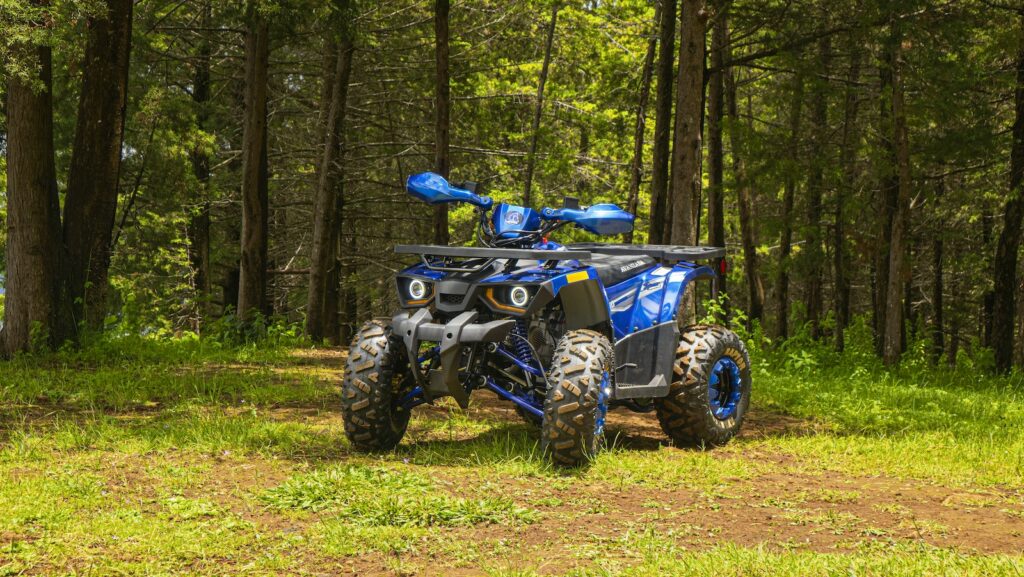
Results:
[417, 289]
[518, 296]
[415, 292]
[510, 299]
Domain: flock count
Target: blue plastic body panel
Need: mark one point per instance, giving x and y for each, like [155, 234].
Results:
[640, 302]
[651, 298]
[510, 220]
[434, 189]
[605, 219]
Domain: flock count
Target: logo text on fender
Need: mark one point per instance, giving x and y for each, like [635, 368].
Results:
[632, 266]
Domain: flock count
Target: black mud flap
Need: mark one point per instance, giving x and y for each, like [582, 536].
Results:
[645, 361]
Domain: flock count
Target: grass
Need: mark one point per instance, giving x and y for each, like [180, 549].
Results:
[145, 457]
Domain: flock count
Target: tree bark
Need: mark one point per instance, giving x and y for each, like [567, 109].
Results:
[956, 294]
[938, 336]
[662, 123]
[252, 286]
[636, 171]
[199, 220]
[1005, 273]
[890, 191]
[327, 205]
[786, 238]
[531, 156]
[988, 299]
[814, 255]
[442, 109]
[899, 237]
[686, 152]
[31, 306]
[716, 152]
[90, 205]
[851, 108]
[755, 287]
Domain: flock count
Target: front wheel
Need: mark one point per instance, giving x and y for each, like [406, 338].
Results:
[579, 382]
[710, 391]
[371, 391]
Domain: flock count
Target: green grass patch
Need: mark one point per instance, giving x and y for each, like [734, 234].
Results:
[380, 497]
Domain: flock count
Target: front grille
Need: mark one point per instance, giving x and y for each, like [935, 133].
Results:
[452, 299]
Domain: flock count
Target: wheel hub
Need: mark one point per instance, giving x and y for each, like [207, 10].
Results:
[724, 388]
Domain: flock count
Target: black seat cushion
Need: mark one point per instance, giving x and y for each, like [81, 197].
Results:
[615, 269]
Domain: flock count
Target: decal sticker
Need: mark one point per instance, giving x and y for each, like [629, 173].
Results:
[514, 218]
[577, 276]
[632, 265]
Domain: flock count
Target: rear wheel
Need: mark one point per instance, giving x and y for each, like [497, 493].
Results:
[371, 391]
[710, 392]
[577, 397]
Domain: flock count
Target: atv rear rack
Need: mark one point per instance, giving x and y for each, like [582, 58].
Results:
[484, 256]
[662, 252]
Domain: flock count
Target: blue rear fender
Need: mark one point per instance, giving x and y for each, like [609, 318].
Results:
[651, 298]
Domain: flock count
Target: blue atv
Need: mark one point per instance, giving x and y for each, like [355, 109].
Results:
[566, 333]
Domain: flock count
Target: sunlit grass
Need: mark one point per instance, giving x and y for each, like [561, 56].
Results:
[114, 461]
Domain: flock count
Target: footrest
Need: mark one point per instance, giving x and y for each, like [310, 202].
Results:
[657, 388]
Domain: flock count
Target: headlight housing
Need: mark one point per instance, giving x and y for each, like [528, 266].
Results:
[513, 299]
[415, 292]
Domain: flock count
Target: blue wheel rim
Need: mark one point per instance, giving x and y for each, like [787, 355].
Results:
[725, 388]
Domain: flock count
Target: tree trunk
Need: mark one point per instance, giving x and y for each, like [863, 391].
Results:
[849, 168]
[348, 305]
[252, 286]
[988, 299]
[686, 152]
[890, 192]
[662, 123]
[716, 153]
[531, 156]
[899, 237]
[442, 109]
[938, 285]
[786, 239]
[31, 306]
[1005, 285]
[326, 213]
[199, 220]
[90, 206]
[953, 350]
[755, 288]
[636, 171]
[814, 255]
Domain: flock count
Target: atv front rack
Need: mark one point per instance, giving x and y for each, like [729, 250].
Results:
[662, 252]
[475, 258]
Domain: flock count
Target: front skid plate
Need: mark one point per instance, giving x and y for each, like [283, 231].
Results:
[461, 330]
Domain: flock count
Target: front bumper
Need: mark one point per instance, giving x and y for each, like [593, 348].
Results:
[417, 327]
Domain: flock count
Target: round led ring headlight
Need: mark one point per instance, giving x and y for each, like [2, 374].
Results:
[417, 289]
[519, 296]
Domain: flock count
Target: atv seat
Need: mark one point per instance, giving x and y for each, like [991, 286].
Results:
[613, 269]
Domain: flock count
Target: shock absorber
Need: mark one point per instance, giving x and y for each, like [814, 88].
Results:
[521, 333]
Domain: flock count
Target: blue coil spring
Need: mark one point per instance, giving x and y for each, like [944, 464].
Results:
[521, 344]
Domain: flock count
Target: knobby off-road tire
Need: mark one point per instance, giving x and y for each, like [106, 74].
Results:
[575, 406]
[370, 391]
[687, 414]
